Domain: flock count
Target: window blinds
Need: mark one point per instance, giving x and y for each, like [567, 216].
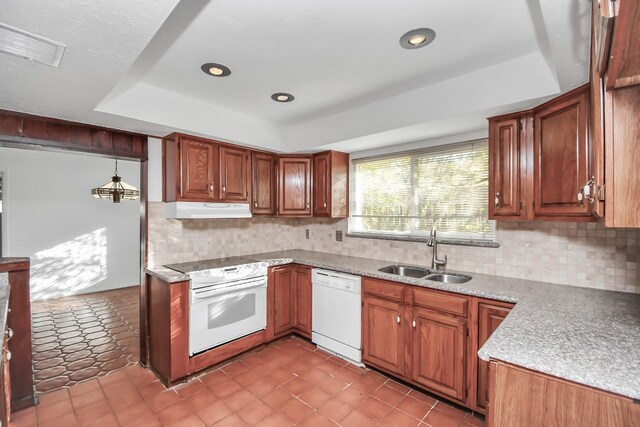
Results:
[408, 193]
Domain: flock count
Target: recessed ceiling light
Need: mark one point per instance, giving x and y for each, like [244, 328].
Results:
[420, 37]
[216, 70]
[282, 97]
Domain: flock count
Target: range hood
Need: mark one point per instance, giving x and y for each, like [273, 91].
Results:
[186, 210]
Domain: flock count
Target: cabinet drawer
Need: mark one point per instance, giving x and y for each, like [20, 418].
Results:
[383, 289]
[448, 303]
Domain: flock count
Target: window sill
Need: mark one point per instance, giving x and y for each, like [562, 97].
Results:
[454, 242]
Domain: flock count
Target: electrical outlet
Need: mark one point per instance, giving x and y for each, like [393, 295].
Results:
[306, 233]
[338, 235]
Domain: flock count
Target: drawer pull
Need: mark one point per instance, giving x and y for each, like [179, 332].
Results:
[9, 333]
[398, 318]
[414, 322]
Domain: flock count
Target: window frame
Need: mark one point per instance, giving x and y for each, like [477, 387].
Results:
[473, 239]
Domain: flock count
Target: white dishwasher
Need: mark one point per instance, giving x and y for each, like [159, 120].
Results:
[336, 314]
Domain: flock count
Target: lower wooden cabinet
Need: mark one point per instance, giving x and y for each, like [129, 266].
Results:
[289, 301]
[439, 347]
[5, 384]
[383, 343]
[520, 397]
[490, 316]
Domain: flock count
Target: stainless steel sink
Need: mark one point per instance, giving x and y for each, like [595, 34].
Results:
[449, 278]
[405, 270]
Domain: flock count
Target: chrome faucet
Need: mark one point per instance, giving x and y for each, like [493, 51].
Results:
[436, 264]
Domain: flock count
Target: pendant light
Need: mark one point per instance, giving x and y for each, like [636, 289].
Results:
[116, 189]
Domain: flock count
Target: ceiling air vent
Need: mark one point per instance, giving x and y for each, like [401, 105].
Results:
[29, 46]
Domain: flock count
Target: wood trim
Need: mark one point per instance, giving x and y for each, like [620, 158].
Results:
[441, 301]
[383, 289]
[144, 242]
[19, 128]
[223, 352]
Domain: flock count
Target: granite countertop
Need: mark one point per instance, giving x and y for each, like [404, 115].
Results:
[588, 336]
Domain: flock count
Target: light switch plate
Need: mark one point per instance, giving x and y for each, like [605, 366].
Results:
[338, 235]
[306, 233]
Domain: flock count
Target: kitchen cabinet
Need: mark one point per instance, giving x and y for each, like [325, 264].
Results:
[507, 167]
[520, 397]
[284, 300]
[263, 167]
[20, 376]
[417, 334]
[303, 300]
[294, 186]
[439, 347]
[383, 334]
[234, 174]
[331, 184]
[490, 316]
[615, 125]
[289, 301]
[561, 156]
[540, 159]
[196, 165]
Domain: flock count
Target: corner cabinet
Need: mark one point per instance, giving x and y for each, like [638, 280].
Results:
[294, 186]
[289, 301]
[540, 159]
[263, 170]
[331, 184]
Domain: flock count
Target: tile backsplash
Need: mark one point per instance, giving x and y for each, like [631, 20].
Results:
[583, 254]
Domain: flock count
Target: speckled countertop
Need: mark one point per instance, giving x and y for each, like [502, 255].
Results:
[584, 335]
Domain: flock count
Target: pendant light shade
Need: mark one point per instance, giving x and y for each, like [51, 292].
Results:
[116, 189]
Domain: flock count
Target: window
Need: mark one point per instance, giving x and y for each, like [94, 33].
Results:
[408, 193]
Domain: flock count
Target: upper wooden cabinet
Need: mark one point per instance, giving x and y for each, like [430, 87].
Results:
[234, 174]
[263, 166]
[331, 184]
[540, 159]
[201, 170]
[196, 170]
[624, 61]
[507, 167]
[561, 156]
[294, 186]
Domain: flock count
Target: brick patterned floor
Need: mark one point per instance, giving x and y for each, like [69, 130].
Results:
[80, 337]
[286, 383]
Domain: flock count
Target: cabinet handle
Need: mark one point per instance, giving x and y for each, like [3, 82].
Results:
[255, 204]
[325, 204]
[224, 189]
[9, 333]
[211, 187]
[497, 201]
[414, 322]
[586, 193]
[8, 355]
[398, 318]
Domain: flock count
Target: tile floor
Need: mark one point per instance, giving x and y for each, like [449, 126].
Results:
[285, 383]
[81, 337]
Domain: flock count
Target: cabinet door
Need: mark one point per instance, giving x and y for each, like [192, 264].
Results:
[264, 183]
[234, 167]
[439, 352]
[562, 162]
[321, 184]
[197, 170]
[489, 318]
[303, 300]
[284, 300]
[383, 334]
[507, 166]
[294, 186]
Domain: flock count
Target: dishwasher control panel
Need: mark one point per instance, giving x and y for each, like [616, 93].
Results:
[347, 282]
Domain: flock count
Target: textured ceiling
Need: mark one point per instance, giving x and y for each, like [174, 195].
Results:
[136, 66]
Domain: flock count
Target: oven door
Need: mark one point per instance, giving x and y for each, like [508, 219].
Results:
[222, 313]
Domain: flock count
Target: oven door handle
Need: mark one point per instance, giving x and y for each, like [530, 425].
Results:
[262, 283]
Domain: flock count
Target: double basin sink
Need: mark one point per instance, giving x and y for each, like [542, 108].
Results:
[421, 272]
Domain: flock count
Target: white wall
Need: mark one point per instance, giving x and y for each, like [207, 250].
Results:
[77, 244]
[154, 170]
